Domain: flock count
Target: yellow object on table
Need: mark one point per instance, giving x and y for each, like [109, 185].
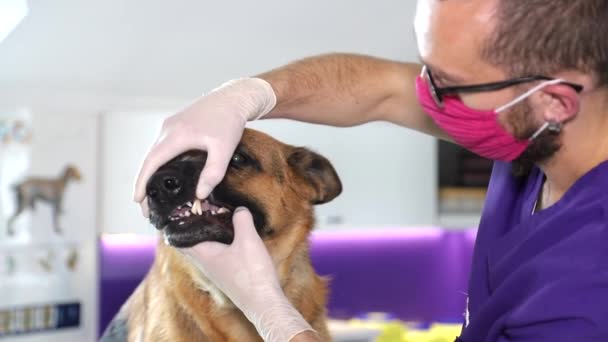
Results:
[436, 333]
[397, 331]
[389, 329]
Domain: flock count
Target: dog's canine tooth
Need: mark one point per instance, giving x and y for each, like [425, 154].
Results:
[196, 207]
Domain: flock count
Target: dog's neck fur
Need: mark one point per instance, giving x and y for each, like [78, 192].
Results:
[65, 178]
[205, 284]
[290, 277]
[281, 261]
[187, 306]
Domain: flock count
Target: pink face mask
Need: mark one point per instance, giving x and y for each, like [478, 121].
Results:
[477, 130]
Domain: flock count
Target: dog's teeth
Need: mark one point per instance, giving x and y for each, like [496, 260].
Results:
[196, 207]
[189, 204]
[179, 207]
[213, 212]
[223, 211]
[187, 214]
[181, 223]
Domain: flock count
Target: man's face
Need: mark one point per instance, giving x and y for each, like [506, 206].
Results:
[450, 36]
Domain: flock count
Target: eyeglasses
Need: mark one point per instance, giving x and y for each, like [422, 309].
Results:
[438, 93]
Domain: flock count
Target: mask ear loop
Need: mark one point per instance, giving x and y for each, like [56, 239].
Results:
[553, 127]
[528, 93]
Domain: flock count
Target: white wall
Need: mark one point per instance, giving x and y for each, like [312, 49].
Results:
[177, 49]
[125, 138]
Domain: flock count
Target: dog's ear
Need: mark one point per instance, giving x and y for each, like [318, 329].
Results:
[318, 173]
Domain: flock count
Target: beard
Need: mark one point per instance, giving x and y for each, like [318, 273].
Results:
[541, 149]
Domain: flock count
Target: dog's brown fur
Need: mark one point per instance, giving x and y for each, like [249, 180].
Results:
[176, 303]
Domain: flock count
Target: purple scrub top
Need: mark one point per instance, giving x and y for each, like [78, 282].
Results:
[540, 276]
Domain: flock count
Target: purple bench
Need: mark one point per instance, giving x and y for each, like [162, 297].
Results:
[415, 274]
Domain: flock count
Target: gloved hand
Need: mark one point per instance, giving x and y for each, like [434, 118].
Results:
[213, 123]
[245, 272]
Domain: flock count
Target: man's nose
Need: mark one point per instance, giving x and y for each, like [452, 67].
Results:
[165, 186]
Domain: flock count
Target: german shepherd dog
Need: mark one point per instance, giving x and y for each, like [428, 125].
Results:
[279, 184]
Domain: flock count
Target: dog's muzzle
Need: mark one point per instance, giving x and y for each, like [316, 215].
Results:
[174, 208]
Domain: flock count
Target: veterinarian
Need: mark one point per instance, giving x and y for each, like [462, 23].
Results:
[522, 82]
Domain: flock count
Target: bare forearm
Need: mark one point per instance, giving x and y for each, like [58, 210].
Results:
[348, 90]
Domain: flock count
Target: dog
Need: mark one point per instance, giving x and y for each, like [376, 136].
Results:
[279, 184]
[33, 189]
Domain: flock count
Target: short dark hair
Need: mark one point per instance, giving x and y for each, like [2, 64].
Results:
[548, 36]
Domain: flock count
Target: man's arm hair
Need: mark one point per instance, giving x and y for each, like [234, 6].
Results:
[348, 90]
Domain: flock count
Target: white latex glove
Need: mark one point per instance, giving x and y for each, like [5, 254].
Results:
[245, 272]
[214, 123]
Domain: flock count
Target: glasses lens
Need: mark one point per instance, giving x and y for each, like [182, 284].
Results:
[436, 97]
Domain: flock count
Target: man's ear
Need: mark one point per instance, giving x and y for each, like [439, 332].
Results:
[560, 103]
[317, 172]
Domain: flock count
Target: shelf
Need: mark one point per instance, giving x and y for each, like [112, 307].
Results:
[458, 220]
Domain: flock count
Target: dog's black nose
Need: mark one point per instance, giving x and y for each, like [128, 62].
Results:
[165, 186]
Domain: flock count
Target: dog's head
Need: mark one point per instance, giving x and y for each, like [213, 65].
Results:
[278, 183]
[71, 172]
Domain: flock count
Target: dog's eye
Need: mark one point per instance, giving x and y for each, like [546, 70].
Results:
[238, 160]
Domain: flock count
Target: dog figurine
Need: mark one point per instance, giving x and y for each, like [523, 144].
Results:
[279, 184]
[33, 189]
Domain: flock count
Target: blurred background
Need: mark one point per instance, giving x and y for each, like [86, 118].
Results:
[84, 88]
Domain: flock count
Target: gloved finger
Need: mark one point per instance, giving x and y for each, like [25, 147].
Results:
[158, 155]
[145, 209]
[213, 172]
[244, 228]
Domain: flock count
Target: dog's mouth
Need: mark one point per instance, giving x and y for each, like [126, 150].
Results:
[197, 207]
[185, 220]
[197, 221]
